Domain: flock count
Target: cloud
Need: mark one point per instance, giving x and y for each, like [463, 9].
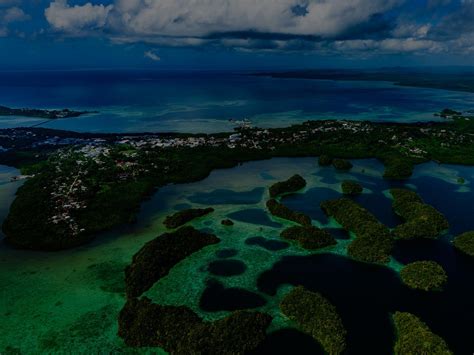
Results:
[152, 54]
[77, 19]
[202, 18]
[286, 25]
[10, 15]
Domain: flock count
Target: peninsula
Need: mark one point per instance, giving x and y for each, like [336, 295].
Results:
[42, 113]
[82, 184]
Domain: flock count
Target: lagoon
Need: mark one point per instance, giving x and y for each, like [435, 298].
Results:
[68, 301]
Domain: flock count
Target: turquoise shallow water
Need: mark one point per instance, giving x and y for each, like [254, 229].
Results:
[68, 301]
[141, 101]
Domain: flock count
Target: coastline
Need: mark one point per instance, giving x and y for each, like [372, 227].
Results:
[119, 171]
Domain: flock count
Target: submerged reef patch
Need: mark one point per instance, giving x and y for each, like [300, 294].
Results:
[269, 244]
[110, 275]
[227, 267]
[228, 197]
[216, 298]
[254, 216]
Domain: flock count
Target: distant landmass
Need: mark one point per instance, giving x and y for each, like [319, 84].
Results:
[459, 80]
[40, 113]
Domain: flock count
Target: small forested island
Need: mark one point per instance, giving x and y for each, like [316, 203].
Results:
[373, 242]
[293, 184]
[465, 243]
[309, 237]
[316, 316]
[351, 188]
[179, 330]
[182, 217]
[279, 210]
[422, 220]
[158, 256]
[415, 337]
[42, 113]
[424, 275]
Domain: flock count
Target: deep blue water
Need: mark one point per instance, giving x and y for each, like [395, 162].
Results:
[203, 102]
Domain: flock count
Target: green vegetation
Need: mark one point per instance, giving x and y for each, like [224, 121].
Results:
[465, 243]
[157, 257]
[351, 188]
[373, 241]
[342, 164]
[325, 160]
[415, 337]
[293, 184]
[309, 237]
[182, 217]
[422, 220]
[277, 209]
[37, 221]
[316, 316]
[41, 219]
[38, 113]
[227, 222]
[397, 166]
[52, 211]
[424, 275]
[179, 330]
[449, 112]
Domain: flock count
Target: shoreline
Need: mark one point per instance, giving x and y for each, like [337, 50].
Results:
[84, 184]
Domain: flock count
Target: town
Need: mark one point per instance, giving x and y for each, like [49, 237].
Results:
[81, 176]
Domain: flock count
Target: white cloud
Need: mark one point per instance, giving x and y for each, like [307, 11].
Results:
[76, 19]
[318, 25]
[153, 55]
[10, 15]
[200, 18]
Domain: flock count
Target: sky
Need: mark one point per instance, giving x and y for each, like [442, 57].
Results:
[234, 34]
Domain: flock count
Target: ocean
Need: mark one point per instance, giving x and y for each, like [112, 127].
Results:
[204, 102]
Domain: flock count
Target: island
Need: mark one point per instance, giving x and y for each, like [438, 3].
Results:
[179, 330]
[351, 188]
[424, 275]
[421, 219]
[373, 242]
[293, 184]
[415, 337]
[309, 237]
[157, 257]
[465, 243]
[279, 210]
[82, 184]
[182, 217]
[42, 113]
[316, 316]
